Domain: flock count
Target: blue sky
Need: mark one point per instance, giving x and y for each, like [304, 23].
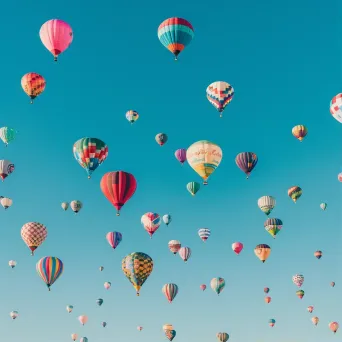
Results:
[284, 61]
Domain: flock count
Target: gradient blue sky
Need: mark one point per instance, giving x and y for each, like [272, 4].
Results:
[284, 61]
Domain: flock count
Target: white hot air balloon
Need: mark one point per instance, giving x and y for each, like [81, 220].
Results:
[14, 314]
[6, 202]
[266, 204]
[12, 263]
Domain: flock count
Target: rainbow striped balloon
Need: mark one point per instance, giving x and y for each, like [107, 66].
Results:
[49, 269]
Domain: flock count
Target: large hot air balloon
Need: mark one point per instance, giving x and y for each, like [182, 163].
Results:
[299, 132]
[180, 155]
[298, 279]
[76, 206]
[7, 135]
[12, 263]
[273, 226]
[336, 107]
[246, 161]
[132, 116]
[333, 326]
[204, 157]
[6, 168]
[217, 284]
[151, 222]
[315, 320]
[137, 267]
[83, 319]
[175, 34]
[184, 253]
[118, 187]
[318, 254]
[33, 234]
[65, 205]
[271, 322]
[268, 299]
[294, 192]
[114, 238]
[323, 206]
[49, 269]
[74, 337]
[237, 247]
[56, 35]
[161, 139]
[174, 246]
[69, 308]
[33, 84]
[222, 336]
[90, 153]
[170, 291]
[300, 294]
[219, 94]
[262, 251]
[266, 204]
[310, 308]
[170, 334]
[167, 219]
[193, 187]
[204, 234]
[107, 285]
[6, 202]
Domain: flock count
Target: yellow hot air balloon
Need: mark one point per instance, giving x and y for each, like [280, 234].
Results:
[262, 251]
[299, 132]
[167, 327]
[204, 157]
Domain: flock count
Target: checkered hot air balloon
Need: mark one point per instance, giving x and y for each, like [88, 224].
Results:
[33, 234]
[33, 85]
[336, 107]
[219, 94]
[298, 279]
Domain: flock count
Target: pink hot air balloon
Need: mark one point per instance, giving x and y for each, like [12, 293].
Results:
[185, 253]
[56, 35]
[310, 308]
[334, 327]
[107, 285]
[83, 319]
[140, 328]
[237, 247]
[181, 155]
[339, 177]
[114, 238]
[203, 287]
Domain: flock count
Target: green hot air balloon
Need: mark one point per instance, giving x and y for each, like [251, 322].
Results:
[193, 187]
[7, 135]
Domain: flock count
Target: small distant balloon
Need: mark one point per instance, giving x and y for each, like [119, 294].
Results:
[271, 322]
[107, 285]
[300, 294]
[180, 155]
[14, 314]
[268, 299]
[139, 328]
[266, 204]
[294, 193]
[7, 135]
[132, 116]
[193, 187]
[12, 263]
[161, 139]
[333, 326]
[74, 337]
[65, 205]
[33, 85]
[203, 287]
[217, 285]
[310, 308]
[336, 107]
[262, 251]
[299, 132]
[266, 289]
[76, 206]
[237, 247]
[318, 254]
[69, 308]
[246, 161]
[101, 268]
[167, 219]
[184, 253]
[204, 234]
[323, 206]
[83, 319]
[332, 284]
[174, 246]
[339, 177]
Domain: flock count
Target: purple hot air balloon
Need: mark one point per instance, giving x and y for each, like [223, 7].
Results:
[246, 161]
[180, 154]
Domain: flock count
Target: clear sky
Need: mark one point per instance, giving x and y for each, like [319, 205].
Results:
[284, 61]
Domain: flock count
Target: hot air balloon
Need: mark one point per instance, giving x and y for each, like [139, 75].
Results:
[107, 285]
[184, 253]
[132, 116]
[298, 279]
[315, 320]
[174, 246]
[310, 308]
[170, 334]
[83, 319]
[273, 226]
[170, 291]
[217, 284]
[137, 267]
[167, 327]
[323, 206]
[74, 337]
[271, 322]
[266, 204]
[300, 294]
[193, 187]
[12, 263]
[7, 135]
[203, 287]
[90, 153]
[49, 269]
[339, 177]
[237, 247]
[167, 219]
[175, 34]
[33, 85]
[204, 157]
[33, 234]
[150, 222]
[65, 205]
[266, 289]
[336, 107]
[246, 161]
[84, 339]
[6, 202]
[333, 326]
[161, 139]
[114, 238]
[118, 187]
[69, 308]
[318, 254]
[56, 35]
[104, 324]
[76, 206]
[101, 268]
[294, 192]
[222, 336]
[219, 94]
[332, 284]
[204, 234]
[268, 299]
[14, 314]
[180, 155]
[139, 328]
[299, 132]
[99, 301]
[262, 251]
[6, 168]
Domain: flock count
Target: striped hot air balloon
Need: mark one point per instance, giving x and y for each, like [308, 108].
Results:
[299, 132]
[273, 226]
[49, 269]
[246, 161]
[222, 337]
[170, 291]
[174, 246]
[114, 238]
[204, 234]
[294, 193]
[184, 253]
[193, 187]
[262, 251]
[266, 204]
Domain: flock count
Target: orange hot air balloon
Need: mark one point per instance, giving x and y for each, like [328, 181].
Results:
[33, 234]
[267, 300]
[33, 84]
[299, 132]
[262, 251]
[334, 327]
[315, 320]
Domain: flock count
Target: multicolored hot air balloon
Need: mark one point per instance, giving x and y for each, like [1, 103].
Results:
[262, 251]
[167, 219]
[83, 319]
[273, 226]
[107, 285]
[268, 299]
[294, 193]
[217, 285]
[170, 334]
[33, 85]
[76, 206]
[333, 326]
[336, 107]
[33, 234]
[237, 247]
[56, 35]
[161, 139]
[65, 205]
[174, 246]
[222, 336]
[203, 287]
[137, 267]
[6, 202]
[6, 168]
[193, 187]
[184, 253]
[118, 187]
[299, 132]
[90, 153]
[300, 294]
[310, 308]
[180, 155]
[175, 34]
[204, 157]
[74, 337]
[266, 204]
[298, 279]
[49, 269]
[323, 206]
[318, 254]
[7, 135]
[14, 314]
[12, 263]
[170, 291]
[204, 234]
[219, 94]
[69, 308]
[266, 289]
[151, 223]
[132, 116]
[246, 161]
[271, 322]
[315, 320]
[114, 238]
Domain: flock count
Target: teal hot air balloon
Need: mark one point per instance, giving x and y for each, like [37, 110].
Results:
[193, 187]
[7, 135]
[99, 301]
